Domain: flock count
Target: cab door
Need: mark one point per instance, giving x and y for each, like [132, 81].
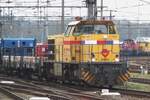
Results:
[67, 44]
[71, 45]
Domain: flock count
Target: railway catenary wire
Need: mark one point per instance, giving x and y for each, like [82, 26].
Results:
[47, 92]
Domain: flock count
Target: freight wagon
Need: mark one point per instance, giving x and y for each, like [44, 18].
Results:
[18, 46]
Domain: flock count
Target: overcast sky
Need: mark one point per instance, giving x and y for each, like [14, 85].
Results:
[125, 9]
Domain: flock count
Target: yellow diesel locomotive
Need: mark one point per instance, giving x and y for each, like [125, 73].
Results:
[87, 53]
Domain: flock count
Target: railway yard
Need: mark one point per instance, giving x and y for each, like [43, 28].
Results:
[18, 89]
[138, 87]
[74, 50]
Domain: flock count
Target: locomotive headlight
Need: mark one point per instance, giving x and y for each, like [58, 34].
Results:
[117, 58]
[105, 36]
[93, 57]
[50, 52]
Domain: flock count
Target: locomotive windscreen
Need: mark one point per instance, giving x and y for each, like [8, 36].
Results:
[98, 29]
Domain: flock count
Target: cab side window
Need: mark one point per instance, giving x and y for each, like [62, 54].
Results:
[70, 30]
[84, 29]
[100, 29]
[111, 30]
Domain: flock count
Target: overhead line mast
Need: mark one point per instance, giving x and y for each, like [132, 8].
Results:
[62, 17]
[101, 9]
[92, 9]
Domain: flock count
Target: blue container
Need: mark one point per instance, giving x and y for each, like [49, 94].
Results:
[18, 42]
[27, 42]
[0, 42]
[18, 46]
[10, 42]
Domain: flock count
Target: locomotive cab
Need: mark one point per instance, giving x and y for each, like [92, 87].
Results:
[99, 41]
[90, 28]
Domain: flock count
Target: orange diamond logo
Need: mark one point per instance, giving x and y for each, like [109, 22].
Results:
[105, 52]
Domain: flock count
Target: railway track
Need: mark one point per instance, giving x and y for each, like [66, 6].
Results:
[11, 94]
[96, 90]
[140, 80]
[34, 93]
[135, 64]
[137, 68]
[133, 92]
[51, 92]
[136, 58]
[65, 92]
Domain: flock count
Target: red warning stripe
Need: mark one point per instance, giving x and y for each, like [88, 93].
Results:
[71, 42]
[101, 42]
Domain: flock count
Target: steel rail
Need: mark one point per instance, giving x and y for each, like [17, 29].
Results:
[11, 94]
[35, 93]
[132, 92]
[140, 80]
